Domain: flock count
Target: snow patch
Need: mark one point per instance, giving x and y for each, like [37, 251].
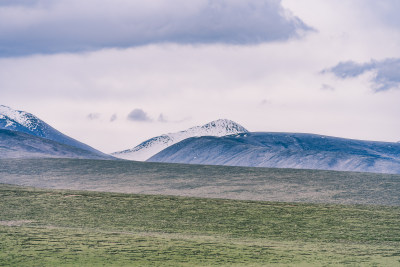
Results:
[24, 122]
[148, 148]
[25, 119]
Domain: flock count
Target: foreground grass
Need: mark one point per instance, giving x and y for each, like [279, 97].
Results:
[59, 227]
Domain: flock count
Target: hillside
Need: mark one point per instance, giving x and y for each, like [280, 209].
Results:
[80, 228]
[223, 228]
[204, 181]
[154, 145]
[286, 150]
[21, 145]
[24, 122]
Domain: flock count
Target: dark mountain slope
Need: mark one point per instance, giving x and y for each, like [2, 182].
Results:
[25, 122]
[286, 150]
[21, 145]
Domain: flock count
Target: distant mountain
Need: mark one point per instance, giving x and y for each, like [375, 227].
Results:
[154, 145]
[24, 122]
[286, 150]
[15, 144]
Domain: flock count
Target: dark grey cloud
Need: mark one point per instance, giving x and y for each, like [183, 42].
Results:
[387, 72]
[18, 2]
[138, 115]
[48, 26]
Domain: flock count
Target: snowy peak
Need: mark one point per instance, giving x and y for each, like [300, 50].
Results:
[219, 127]
[148, 148]
[21, 121]
[24, 122]
[16, 120]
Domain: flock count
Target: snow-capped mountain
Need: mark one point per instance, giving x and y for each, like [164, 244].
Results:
[24, 122]
[154, 145]
[286, 150]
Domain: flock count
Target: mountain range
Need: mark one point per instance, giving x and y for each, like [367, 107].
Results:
[24, 135]
[152, 146]
[286, 150]
[220, 142]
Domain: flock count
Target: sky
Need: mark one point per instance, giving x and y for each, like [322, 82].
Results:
[113, 73]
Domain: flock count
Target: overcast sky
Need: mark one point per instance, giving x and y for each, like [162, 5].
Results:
[113, 73]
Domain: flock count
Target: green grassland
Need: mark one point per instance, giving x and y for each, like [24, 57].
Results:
[243, 183]
[46, 227]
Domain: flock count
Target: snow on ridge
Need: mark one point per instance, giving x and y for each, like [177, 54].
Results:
[148, 148]
[286, 150]
[21, 121]
[25, 119]
[219, 127]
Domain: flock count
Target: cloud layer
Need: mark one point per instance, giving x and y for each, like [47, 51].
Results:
[273, 86]
[385, 11]
[47, 26]
[386, 72]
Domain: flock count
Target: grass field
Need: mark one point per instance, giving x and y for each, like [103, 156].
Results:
[44, 227]
[289, 185]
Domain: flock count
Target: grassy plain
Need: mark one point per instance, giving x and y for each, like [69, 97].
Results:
[45, 227]
[267, 184]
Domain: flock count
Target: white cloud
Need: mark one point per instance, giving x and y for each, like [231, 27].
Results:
[161, 118]
[327, 87]
[382, 12]
[93, 116]
[203, 83]
[113, 117]
[47, 26]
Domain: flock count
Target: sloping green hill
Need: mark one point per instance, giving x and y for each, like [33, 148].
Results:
[204, 181]
[41, 227]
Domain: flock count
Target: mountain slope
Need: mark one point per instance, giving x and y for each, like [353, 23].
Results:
[25, 122]
[15, 144]
[154, 145]
[286, 150]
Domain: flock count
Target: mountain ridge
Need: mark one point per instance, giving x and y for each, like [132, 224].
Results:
[286, 150]
[152, 146]
[27, 123]
[14, 144]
